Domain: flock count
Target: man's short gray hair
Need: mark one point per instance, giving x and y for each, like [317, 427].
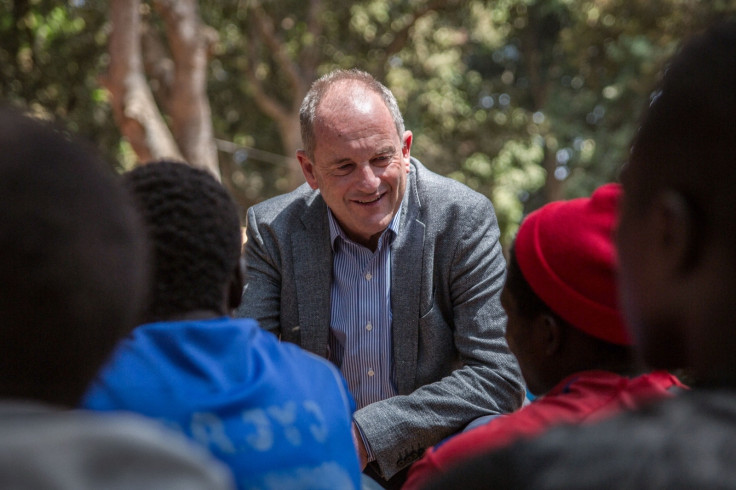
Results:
[308, 109]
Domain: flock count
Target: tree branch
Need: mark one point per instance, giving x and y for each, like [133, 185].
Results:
[269, 105]
[189, 108]
[285, 116]
[311, 53]
[401, 37]
[158, 65]
[265, 27]
[133, 105]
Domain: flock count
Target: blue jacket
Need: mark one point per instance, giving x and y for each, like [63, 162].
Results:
[278, 416]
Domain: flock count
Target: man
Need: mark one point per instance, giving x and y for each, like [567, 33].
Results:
[565, 328]
[387, 269]
[74, 274]
[277, 416]
[678, 290]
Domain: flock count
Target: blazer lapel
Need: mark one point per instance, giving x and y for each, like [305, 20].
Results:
[312, 256]
[406, 264]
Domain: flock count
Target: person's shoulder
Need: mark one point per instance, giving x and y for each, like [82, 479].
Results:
[673, 438]
[431, 185]
[665, 444]
[446, 200]
[291, 204]
[155, 457]
[304, 370]
[292, 354]
[449, 205]
[634, 433]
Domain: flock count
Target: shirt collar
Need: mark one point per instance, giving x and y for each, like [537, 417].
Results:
[337, 231]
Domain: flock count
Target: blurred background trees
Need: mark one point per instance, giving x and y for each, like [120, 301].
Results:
[524, 100]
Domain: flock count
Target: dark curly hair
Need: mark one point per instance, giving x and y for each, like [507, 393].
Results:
[194, 228]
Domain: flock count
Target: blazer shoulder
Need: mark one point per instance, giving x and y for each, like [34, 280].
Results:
[443, 195]
[286, 207]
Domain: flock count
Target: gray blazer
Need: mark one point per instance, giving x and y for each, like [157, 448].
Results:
[450, 357]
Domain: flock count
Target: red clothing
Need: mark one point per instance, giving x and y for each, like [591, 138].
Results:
[580, 398]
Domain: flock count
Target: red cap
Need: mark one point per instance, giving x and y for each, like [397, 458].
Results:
[566, 252]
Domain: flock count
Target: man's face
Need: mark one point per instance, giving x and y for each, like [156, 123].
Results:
[360, 163]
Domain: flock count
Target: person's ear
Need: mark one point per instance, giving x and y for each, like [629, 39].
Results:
[675, 231]
[236, 285]
[548, 334]
[307, 168]
[406, 148]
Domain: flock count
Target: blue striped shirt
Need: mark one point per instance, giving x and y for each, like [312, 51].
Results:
[360, 322]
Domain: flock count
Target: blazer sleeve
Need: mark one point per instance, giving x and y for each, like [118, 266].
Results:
[486, 379]
[262, 292]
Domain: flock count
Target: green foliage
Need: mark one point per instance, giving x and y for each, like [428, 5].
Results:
[523, 100]
[50, 59]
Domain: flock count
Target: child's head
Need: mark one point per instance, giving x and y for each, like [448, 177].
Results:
[194, 230]
[560, 293]
[72, 262]
[678, 221]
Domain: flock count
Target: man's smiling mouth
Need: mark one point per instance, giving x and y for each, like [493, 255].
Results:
[370, 201]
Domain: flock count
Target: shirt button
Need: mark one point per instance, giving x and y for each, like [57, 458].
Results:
[368, 276]
[369, 326]
[370, 372]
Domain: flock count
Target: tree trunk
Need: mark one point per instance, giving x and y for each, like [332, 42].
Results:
[188, 106]
[134, 108]
[554, 189]
[539, 90]
[136, 113]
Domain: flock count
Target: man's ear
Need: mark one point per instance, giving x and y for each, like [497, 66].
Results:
[307, 168]
[407, 139]
[675, 231]
[548, 334]
[235, 287]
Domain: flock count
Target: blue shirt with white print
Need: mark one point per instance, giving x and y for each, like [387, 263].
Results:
[278, 416]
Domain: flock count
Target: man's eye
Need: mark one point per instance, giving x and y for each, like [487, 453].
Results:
[343, 169]
[382, 160]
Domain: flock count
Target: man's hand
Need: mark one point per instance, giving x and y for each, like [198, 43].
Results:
[360, 447]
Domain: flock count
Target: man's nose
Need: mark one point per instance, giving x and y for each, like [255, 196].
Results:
[369, 180]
